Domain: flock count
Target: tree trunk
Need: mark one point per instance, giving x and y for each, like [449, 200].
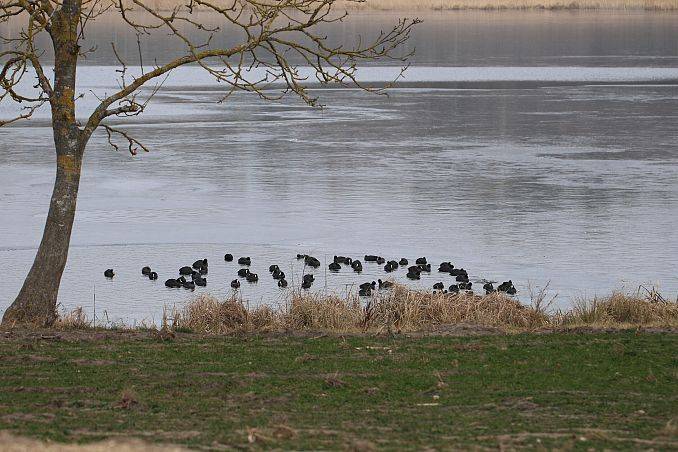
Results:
[36, 302]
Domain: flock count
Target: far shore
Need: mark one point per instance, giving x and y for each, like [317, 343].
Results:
[479, 5]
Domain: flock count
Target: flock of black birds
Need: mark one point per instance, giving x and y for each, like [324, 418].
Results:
[200, 269]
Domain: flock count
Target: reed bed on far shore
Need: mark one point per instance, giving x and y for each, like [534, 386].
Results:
[403, 310]
[452, 5]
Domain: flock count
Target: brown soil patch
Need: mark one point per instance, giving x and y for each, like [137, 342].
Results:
[12, 443]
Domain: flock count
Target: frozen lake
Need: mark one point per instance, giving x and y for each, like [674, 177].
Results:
[531, 146]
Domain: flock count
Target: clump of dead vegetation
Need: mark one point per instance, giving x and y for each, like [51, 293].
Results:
[401, 309]
[73, 320]
[397, 309]
[404, 310]
[206, 314]
[620, 309]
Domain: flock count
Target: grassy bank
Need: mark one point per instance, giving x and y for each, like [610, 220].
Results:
[446, 5]
[581, 391]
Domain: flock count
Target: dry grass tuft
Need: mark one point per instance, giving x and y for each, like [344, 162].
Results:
[399, 309]
[206, 314]
[621, 309]
[315, 311]
[74, 320]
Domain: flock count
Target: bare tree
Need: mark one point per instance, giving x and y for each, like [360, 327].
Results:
[280, 52]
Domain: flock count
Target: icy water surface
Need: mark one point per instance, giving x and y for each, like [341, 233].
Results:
[535, 147]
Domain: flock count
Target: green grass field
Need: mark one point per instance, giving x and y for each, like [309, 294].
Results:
[560, 390]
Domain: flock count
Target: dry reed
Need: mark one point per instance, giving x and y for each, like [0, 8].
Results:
[401, 309]
[206, 314]
[74, 320]
[620, 309]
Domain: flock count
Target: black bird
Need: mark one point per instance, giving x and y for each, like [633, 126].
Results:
[278, 275]
[306, 284]
[252, 277]
[343, 260]
[458, 271]
[366, 292]
[445, 267]
[312, 261]
[146, 271]
[181, 279]
[454, 288]
[385, 284]
[489, 288]
[282, 283]
[403, 262]
[152, 276]
[465, 285]
[172, 283]
[109, 273]
[228, 257]
[462, 278]
[438, 286]
[413, 275]
[414, 272]
[309, 278]
[301, 256]
[243, 272]
[368, 285]
[380, 260]
[371, 258]
[200, 264]
[235, 284]
[203, 270]
[388, 268]
[425, 267]
[507, 287]
[185, 270]
[273, 268]
[357, 266]
[334, 266]
[200, 281]
[245, 261]
[420, 261]
[189, 285]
